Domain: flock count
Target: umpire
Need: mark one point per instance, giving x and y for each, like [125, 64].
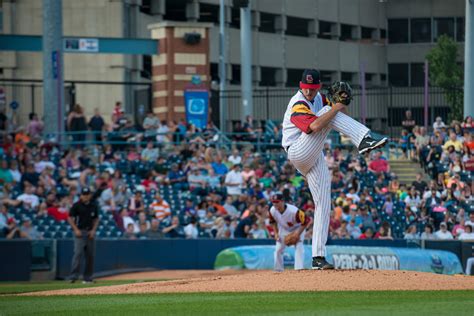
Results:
[84, 219]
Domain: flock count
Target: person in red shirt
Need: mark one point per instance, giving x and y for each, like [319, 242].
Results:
[378, 164]
[368, 234]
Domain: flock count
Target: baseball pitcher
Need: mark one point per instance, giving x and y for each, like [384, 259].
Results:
[309, 118]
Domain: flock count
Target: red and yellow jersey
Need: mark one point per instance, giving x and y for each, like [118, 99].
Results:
[299, 115]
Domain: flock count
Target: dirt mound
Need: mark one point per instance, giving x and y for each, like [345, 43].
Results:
[173, 274]
[304, 280]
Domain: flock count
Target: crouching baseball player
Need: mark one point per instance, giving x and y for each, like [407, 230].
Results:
[289, 224]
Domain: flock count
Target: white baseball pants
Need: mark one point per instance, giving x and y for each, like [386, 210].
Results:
[299, 256]
[306, 155]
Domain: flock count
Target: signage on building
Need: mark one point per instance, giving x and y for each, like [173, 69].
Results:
[197, 107]
[3, 98]
[14, 105]
[86, 45]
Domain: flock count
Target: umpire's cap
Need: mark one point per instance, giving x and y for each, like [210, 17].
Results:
[311, 79]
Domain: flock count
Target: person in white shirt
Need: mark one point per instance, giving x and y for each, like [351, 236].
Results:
[235, 159]
[438, 124]
[443, 233]
[234, 181]
[29, 199]
[286, 219]
[470, 222]
[467, 234]
[150, 153]
[190, 230]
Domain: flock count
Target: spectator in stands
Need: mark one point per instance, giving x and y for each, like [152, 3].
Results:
[411, 233]
[136, 205]
[467, 234]
[197, 182]
[177, 178]
[15, 171]
[353, 229]
[29, 231]
[385, 232]
[149, 153]
[443, 233]
[155, 232]
[12, 230]
[379, 164]
[235, 158]
[5, 174]
[428, 233]
[174, 230]
[367, 234]
[160, 209]
[453, 141]
[234, 182]
[341, 232]
[408, 123]
[258, 230]
[29, 200]
[438, 124]
[244, 226]
[364, 218]
[3, 219]
[35, 126]
[191, 230]
[97, 125]
[130, 232]
[150, 124]
[419, 184]
[117, 112]
[77, 125]
[30, 175]
[162, 133]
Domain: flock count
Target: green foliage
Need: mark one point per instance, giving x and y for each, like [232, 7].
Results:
[445, 73]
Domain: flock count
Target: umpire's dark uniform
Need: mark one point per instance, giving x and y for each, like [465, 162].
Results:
[84, 219]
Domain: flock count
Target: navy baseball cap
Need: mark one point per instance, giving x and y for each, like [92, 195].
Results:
[311, 79]
[277, 197]
[85, 191]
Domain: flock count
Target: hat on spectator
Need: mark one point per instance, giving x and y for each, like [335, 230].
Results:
[85, 191]
[11, 220]
[443, 224]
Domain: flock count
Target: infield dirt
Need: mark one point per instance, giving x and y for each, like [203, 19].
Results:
[269, 281]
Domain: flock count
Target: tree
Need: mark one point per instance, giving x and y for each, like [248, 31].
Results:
[446, 73]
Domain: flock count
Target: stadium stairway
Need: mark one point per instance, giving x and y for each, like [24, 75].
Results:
[406, 170]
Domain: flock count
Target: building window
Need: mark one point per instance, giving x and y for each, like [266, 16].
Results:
[146, 71]
[398, 75]
[327, 30]
[398, 31]
[175, 10]
[268, 76]
[417, 74]
[420, 30]
[146, 7]
[383, 33]
[368, 33]
[208, 13]
[296, 26]
[267, 23]
[443, 26]
[347, 76]
[348, 32]
[460, 29]
[326, 77]
[235, 74]
[383, 78]
[235, 18]
[214, 72]
[293, 77]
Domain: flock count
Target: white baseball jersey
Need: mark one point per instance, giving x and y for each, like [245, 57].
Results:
[288, 221]
[290, 131]
[305, 153]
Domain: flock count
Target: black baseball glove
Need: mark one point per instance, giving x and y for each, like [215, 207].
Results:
[340, 92]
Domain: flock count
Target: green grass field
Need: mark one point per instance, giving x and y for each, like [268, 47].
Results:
[283, 303]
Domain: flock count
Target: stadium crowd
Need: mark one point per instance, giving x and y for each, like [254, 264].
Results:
[171, 180]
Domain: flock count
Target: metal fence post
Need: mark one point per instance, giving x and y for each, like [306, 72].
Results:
[32, 98]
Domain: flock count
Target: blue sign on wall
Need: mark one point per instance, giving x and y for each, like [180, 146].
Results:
[197, 107]
[14, 105]
[55, 61]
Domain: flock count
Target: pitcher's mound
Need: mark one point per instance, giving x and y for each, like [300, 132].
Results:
[305, 280]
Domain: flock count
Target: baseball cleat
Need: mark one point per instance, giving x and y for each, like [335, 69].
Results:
[371, 141]
[320, 263]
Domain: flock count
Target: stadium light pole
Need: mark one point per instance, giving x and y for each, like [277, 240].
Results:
[53, 80]
[222, 68]
[246, 59]
[468, 62]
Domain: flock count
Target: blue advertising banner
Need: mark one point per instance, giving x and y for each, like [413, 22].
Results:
[347, 257]
[197, 107]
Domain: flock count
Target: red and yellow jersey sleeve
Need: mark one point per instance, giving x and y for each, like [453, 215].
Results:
[302, 218]
[325, 100]
[302, 116]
